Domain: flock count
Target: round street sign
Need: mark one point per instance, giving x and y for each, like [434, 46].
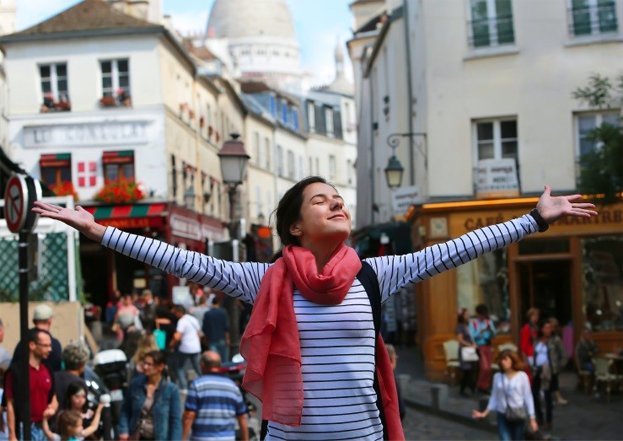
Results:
[16, 203]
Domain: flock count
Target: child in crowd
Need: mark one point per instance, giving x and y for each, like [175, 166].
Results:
[70, 425]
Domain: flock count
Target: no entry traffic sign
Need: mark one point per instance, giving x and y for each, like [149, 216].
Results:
[16, 203]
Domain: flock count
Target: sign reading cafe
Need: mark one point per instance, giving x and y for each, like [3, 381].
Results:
[86, 134]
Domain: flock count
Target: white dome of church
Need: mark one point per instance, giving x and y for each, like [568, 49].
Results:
[250, 18]
[258, 37]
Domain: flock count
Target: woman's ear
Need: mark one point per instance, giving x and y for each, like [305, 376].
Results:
[295, 229]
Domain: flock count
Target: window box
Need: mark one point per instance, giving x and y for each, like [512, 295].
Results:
[108, 101]
[51, 105]
[120, 191]
[64, 188]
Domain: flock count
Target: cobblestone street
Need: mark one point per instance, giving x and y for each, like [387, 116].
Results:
[423, 426]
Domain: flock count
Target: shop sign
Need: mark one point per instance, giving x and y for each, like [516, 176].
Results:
[211, 232]
[496, 178]
[185, 227]
[108, 133]
[610, 217]
[132, 222]
[404, 197]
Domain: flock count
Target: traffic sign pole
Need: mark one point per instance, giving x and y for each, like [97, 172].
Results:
[24, 401]
[21, 193]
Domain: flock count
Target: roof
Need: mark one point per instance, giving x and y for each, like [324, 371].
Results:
[201, 52]
[87, 15]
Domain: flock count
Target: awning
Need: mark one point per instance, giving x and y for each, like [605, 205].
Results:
[129, 216]
[58, 160]
[118, 157]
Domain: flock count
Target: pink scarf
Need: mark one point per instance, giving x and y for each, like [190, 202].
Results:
[271, 345]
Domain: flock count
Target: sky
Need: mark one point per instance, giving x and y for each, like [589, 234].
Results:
[319, 24]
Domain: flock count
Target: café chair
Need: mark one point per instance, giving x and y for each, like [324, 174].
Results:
[603, 374]
[451, 349]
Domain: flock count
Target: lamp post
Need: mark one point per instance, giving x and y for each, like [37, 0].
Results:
[233, 167]
[394, 168]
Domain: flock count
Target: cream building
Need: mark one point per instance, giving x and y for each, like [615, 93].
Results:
[482, 90]
[7, 26]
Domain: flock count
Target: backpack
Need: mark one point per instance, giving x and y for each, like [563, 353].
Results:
[370, 282]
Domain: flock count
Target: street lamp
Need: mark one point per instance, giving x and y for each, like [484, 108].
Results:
[393, 172]
[233, 167]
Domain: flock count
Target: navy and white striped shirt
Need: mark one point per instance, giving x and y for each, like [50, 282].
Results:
[337, 341]
[217, 402]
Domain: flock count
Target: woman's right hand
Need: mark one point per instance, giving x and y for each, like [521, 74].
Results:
[477, 414]
[80, 219]
[534, 427]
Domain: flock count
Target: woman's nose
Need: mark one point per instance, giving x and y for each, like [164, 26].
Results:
[337, 204]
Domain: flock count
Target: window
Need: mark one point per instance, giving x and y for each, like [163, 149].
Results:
[279, 161]
[587, 122]
[317, 165]
[54, 83]
[295, 119]
[328, 112]
[115, 78]
[310, 170]
[284, 111]
[118, 165]
[331, 167]
[256, 145]
[291, 165]
[492, 23]
[55, 169]
[485, 280]
[590, 17]
[273, 106]
[311, 116]
[301, 168]
[268, 153]
[173, 177]
[496, 139]
[258, 197]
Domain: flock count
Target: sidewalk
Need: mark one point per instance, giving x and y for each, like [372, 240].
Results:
[584, 418]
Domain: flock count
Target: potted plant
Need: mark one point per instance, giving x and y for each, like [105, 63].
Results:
[120, 191]
[108, 101]
[123, 97]
[64, 188]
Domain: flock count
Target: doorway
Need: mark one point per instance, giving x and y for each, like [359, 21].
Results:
[546, 285]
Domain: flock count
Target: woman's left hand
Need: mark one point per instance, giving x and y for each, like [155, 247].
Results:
[553, 208]
[533, 425]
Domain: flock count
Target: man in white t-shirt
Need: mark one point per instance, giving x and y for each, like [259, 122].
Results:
[188, 335]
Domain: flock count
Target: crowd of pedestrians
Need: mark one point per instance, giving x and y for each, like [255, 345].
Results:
[528, 377]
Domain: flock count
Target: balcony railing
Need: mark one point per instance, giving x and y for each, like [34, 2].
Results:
[595, 19]
[494, 31]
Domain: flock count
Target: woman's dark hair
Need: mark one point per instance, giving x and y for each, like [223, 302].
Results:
[482, 310]
[67, 420]
[542, 325]
[517, 364]
[289, 209]
[72, 390]
[461, 319]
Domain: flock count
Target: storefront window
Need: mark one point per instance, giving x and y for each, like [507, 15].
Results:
[485, 280]
[602, 258]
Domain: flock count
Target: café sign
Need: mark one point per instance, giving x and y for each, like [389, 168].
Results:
[90, 134]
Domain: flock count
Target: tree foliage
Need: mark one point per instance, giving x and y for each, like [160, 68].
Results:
[602, 169]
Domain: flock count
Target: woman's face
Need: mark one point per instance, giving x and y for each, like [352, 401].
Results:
[150, 369]
[127, 300]
[78, 400]
[466, 316]
[534, 318]
[506, 363]
[546, 330]
[323, 216]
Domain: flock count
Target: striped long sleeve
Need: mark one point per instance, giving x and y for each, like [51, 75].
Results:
[238, 280]
[397, 272]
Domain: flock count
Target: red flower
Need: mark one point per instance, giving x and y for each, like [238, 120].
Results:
[120, 191]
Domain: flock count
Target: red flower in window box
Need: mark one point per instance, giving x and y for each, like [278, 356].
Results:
[108, 101]
[65, 188]
[210, 130]
[121, 191]
[202, 121]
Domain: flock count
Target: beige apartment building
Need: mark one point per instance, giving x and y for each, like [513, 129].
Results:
[480, 94]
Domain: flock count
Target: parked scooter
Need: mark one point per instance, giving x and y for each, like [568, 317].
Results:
[111, 367]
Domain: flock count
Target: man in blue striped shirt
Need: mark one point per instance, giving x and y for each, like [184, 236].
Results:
[213, 404]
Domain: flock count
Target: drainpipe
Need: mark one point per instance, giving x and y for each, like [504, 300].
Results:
[410, 92]
[373, 168]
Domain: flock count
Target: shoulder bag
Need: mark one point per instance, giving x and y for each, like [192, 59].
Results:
[469, 354]
[513, 414]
